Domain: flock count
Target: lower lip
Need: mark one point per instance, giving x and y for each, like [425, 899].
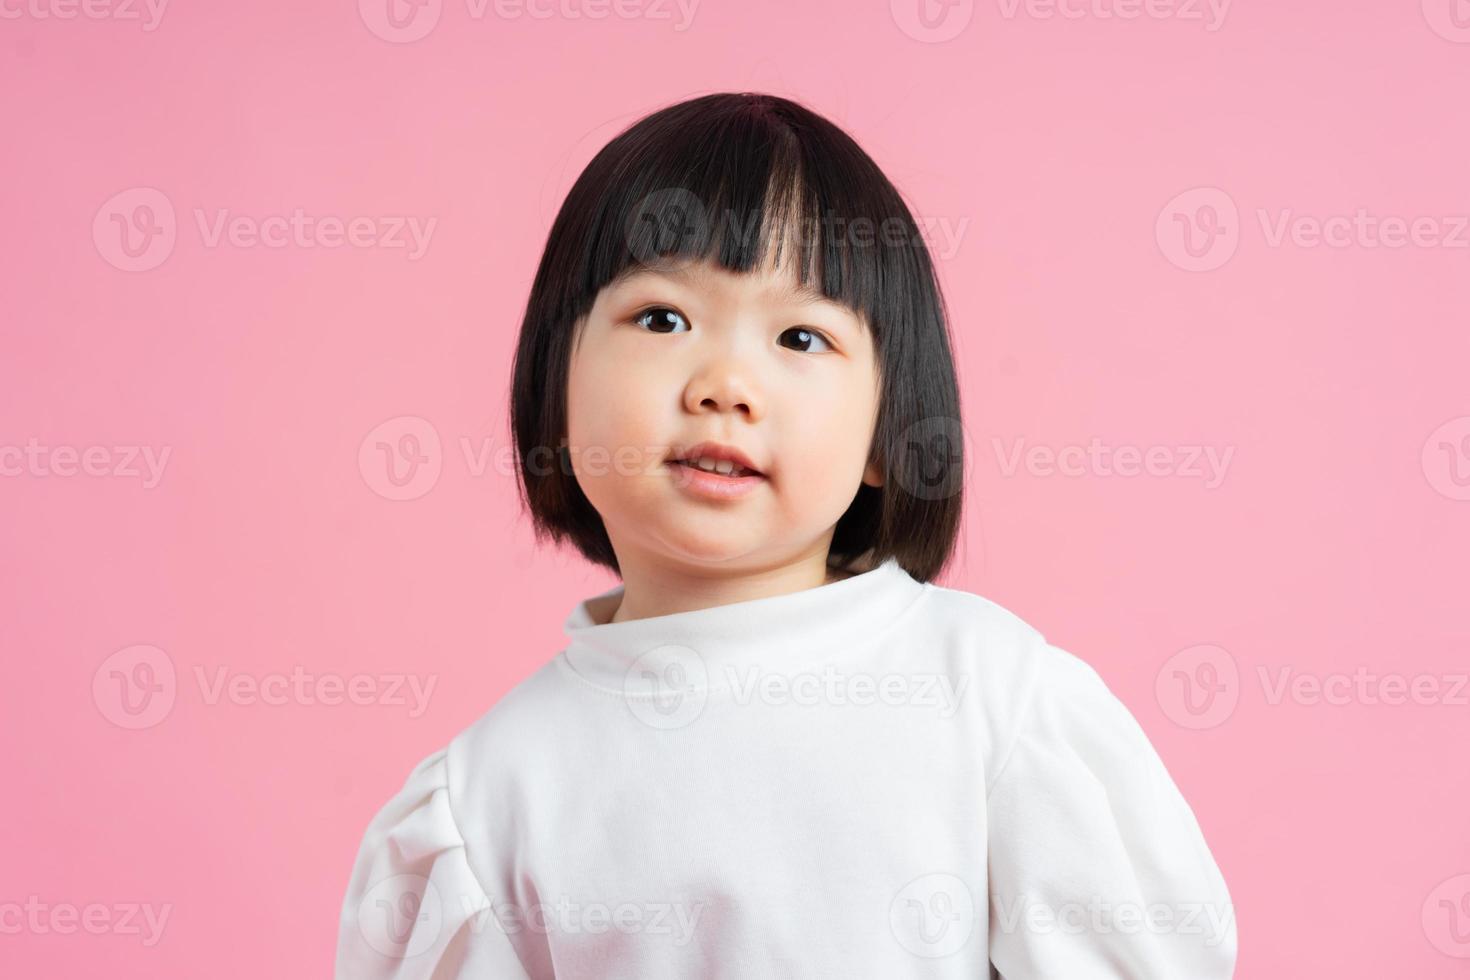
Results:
[713, 486]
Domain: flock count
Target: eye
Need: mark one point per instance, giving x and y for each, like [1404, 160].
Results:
[660, 316]
[805, 336]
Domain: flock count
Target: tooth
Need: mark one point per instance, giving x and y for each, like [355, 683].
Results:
[724, 466]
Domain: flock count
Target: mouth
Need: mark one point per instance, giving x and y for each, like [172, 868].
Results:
[723, 469]
[694, 478]
[717, 461]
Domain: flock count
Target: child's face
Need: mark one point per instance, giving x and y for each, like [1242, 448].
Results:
[692, 353]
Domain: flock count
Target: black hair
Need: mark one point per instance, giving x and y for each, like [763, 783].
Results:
[718, 177]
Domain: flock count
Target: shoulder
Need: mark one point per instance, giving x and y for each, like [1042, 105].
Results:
[444, 841]
[997, 639]
[491, 746]
[505, 752]
[517, 739]
[1003, 652]
[962, 610]
[1022, 679]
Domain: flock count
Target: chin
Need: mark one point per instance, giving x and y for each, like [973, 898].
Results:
[707, 549]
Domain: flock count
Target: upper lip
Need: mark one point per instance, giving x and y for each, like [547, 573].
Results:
[715, 450]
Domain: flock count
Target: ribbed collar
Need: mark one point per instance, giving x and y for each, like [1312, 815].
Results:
[780, 633]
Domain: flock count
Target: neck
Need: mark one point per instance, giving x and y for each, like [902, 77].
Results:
[661, 588]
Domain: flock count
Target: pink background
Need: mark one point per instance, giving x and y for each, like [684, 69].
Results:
[1054, 146]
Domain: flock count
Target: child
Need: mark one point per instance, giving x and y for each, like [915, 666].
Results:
[777, 749]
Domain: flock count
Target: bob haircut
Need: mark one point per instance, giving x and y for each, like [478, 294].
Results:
[717, 178]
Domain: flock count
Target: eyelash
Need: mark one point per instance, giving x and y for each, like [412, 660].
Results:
[636, 317]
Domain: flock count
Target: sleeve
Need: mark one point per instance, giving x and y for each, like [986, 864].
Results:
[1098, 867]
[414, 909]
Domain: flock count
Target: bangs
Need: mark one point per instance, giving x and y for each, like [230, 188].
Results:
[736, 184]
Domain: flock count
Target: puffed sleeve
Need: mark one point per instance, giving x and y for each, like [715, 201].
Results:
[414, 909]
[1098, 867]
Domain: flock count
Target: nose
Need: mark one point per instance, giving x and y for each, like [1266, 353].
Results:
[724, 384]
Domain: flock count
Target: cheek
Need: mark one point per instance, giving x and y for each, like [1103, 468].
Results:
[613, 420]
[825, 448]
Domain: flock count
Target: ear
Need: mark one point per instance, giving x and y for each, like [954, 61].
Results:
[873, 475]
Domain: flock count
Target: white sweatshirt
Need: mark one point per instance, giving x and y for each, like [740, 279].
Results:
[874, 778]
